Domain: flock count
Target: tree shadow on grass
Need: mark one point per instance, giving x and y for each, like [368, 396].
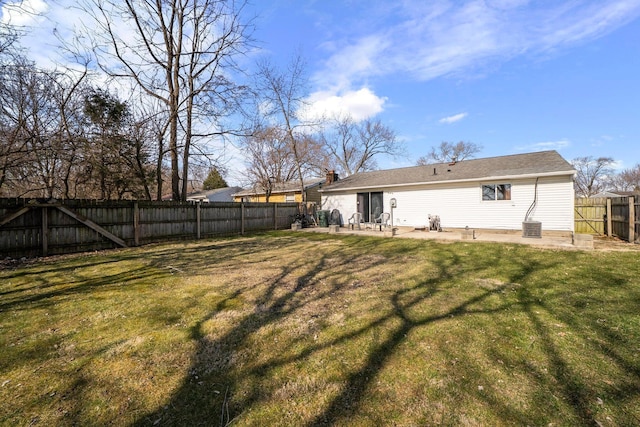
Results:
[67, 276]
[205, 396]
[215, 393]
[346, 404]
[600, 342]
[558, 366]
[43, 293]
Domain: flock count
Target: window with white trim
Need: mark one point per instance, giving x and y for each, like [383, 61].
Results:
[290, 198]
[496, 192]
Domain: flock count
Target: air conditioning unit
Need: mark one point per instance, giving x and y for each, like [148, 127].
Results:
[532, 229]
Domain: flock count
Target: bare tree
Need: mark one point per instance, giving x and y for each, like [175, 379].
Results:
[282, 94]
[628, 179]
[10, 30]
[39, 127]
[72, 132]
[61, 138]
[14, 149]
[450, 152]
[352, 147]
[268, 157]
[152, 122]
[181, 53]
[270, 160]
[8, 36]
[592, 174]
[148, 130]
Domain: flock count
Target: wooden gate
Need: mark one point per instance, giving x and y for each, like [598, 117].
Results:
[590, 216]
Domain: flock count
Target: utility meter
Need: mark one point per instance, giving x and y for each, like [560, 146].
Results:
[394, 203]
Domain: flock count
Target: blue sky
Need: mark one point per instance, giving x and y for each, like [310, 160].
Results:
[510, 75]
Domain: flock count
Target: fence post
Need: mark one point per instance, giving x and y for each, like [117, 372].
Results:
[45, 231]
[136, 224]
[198, 219]
[275, 216]
[632, 219]
[242, 218]
[609, 219]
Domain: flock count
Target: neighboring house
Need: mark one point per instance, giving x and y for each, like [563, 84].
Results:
[490, 193]
[224, 194]
[283, 192]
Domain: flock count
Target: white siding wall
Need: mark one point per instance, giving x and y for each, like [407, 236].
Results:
[345, 203]
[461, 205]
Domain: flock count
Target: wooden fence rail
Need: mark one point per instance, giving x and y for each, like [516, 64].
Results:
[37, 227]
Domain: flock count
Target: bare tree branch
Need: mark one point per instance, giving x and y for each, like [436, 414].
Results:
[353, 147]
[450, 152]
[592, 175]
[180, 53]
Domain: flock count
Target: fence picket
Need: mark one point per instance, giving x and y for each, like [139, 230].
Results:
[130, 222]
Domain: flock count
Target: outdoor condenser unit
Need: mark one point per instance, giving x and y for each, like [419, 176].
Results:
[532, 229]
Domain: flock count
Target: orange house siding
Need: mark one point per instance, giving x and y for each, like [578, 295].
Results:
[312, 196]
[275, 198]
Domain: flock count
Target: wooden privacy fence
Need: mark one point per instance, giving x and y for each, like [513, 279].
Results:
[37, 227]
[613, 217]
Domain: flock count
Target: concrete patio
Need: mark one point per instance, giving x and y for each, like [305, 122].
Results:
[548, 240]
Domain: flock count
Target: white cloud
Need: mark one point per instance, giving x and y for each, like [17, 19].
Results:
[441, 37]
[546, 145]
[618, 165]
[453, 119]
[602, 141]
[22, 13]
[359, 104]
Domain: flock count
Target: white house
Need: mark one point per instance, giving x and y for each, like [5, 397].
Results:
[490, 193]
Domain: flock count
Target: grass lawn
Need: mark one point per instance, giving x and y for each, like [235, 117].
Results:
[307, 329]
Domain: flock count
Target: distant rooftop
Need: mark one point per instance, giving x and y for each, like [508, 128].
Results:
[282, 187]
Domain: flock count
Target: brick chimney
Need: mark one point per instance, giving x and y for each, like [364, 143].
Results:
[332, 177]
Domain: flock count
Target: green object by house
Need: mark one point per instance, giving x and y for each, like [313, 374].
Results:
[323, 218]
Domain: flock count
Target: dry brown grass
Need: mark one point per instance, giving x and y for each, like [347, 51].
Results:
[292, 329]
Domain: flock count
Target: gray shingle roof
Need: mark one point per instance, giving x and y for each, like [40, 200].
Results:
[539, 163]
[216, 195]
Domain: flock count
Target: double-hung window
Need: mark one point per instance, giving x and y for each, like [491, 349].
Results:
[496, 192]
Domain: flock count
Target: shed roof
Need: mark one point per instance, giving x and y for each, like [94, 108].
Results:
[543, 163]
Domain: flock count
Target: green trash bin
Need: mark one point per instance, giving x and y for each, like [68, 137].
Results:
[323, 218]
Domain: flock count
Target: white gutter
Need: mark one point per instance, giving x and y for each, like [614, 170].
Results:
[453, 181]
